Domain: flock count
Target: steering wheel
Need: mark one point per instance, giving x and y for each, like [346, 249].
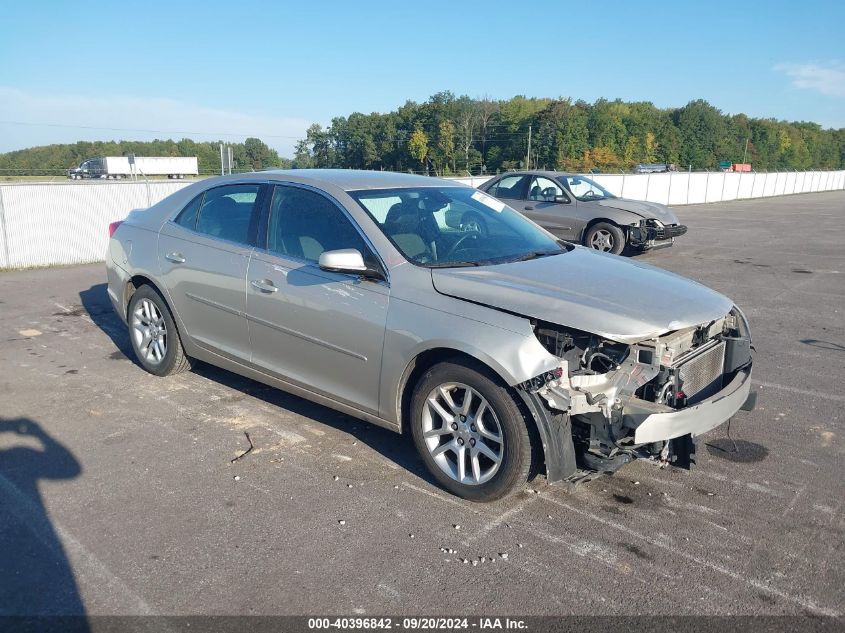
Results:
[473, 223]
[461, 240]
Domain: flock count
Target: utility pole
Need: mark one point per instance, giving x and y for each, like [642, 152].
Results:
[745, 153]
[222, 168]
[528, 157]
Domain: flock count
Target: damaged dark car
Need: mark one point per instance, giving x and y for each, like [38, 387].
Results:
[579, 209]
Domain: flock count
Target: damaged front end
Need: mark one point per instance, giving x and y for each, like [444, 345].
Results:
[651, 233]
[609, 403]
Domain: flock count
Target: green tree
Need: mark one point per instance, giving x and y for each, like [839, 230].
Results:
[418, 146]
[700, 126]
[258, 155]
[446, 142]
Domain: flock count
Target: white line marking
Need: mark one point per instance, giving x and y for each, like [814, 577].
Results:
[497, 521]
[808, 392]
[756, 584]
[438, 496]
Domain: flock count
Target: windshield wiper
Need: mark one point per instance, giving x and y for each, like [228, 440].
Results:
[535, 255]
[453, 264]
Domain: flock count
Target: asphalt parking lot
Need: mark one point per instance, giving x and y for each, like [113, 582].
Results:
[119, 495]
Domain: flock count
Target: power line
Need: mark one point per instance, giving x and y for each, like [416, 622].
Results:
[120, 129]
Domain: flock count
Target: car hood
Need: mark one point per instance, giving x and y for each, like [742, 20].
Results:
[647, 210]
[594, 292]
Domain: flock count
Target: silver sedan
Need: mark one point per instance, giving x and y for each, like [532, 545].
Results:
[366, 292]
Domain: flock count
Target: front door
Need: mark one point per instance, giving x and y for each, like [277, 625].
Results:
[543, 206]
[320, 330]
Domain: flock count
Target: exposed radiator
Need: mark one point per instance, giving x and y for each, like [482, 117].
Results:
[701, 376]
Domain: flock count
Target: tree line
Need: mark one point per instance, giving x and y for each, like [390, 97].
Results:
[252, 154]
[457, 135]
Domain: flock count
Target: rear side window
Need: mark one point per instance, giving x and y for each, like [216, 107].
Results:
[188, 216]
[509, 188]
[227, 212]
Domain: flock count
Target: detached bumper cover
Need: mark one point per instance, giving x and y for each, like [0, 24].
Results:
[667, 232]
[650, 235]
[696, 419]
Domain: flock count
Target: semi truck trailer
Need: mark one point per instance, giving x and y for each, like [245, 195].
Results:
[119, 167]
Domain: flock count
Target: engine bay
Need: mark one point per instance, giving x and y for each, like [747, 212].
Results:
[608, 388]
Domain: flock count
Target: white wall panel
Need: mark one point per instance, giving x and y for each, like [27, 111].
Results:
[42, 224]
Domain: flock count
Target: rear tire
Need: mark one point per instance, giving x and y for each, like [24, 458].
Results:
[488, 432]
[605, 237]
[153, 334]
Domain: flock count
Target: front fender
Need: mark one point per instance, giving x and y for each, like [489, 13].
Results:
[510, 348]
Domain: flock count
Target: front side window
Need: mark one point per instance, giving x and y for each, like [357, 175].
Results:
[585, 189]
[443, 227]
[227, 212]
[303, 224]
[544, 189]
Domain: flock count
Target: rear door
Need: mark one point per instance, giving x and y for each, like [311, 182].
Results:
[559, 218]
[320, 330]
[204, 255]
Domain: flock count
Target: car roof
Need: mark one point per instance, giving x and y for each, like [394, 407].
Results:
[347, 179]
[539, 172]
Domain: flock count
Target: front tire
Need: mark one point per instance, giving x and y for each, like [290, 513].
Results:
[152, 331]
[469, 431]
[605, 237]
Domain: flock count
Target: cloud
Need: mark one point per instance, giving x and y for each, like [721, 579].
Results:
[28, 119]
[828, 79]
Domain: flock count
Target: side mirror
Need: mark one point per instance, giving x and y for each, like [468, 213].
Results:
[347, 260]
[561, 199]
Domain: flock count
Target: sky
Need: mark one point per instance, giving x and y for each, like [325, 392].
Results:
[226, 70]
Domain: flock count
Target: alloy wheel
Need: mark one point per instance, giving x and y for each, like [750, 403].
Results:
[462, 433]
[149, 331]
[602, 240]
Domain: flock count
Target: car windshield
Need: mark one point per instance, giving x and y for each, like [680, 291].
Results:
[443, 227]
[585, 189]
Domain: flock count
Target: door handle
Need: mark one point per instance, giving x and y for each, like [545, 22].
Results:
[529, 208]
[176, 258]
[264, 285]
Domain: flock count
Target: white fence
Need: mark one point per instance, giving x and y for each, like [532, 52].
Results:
[678, 188]
[46, 224]
[67, 223]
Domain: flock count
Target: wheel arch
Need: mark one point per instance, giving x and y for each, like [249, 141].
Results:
[425, 360]
[135, 282]
[595, 221]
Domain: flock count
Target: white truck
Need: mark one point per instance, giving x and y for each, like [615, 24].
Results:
[120, 167]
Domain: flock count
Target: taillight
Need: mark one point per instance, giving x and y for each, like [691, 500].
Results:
[113, 227]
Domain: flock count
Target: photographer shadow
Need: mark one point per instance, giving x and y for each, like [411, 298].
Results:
[36, 578]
